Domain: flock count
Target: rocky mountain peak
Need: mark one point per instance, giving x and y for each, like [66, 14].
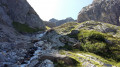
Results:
[60, 22]
[101, 10]
[69, 19]
[53, 20]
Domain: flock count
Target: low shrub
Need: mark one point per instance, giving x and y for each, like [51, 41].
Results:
[91, 35]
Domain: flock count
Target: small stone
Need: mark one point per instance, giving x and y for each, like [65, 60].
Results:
[40, 43]
[46, 63]
[33, 63]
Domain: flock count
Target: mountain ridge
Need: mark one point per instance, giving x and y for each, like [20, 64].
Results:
[60, 22]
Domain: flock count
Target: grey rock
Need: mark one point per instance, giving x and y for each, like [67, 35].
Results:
[68, 40]
[2, 57]
[74, 32]
[110, 30]
[5, 46]
[8, 64]
[4, 18]
[77, 45]
[33, 63]
[101, 10]
[38, 44]
[46, 63]
[19, 11]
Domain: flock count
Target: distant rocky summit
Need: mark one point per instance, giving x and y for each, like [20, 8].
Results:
[50, 24]
[53, 20]
[60, 22]
[101, 10]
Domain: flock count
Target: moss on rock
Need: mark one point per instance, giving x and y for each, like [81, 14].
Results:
[24, 28]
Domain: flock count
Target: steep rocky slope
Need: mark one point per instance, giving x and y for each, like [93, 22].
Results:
[87, 44]
[101, 10]
[90, 43]
[16, 17]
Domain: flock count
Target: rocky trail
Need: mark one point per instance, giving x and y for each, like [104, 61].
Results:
[40, 48]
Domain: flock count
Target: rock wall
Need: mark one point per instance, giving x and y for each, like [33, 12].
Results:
[101, 10]
[19, 11]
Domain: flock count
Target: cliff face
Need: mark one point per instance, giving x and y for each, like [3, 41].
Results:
[101, 10]
[16, 16]
[19, 11]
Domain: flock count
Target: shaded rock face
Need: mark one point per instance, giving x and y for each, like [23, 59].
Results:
[13, 45]
[19, 11]
[101, 10]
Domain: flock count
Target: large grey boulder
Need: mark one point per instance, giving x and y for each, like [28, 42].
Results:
[46, 63]
[19, 11]
[101, 10]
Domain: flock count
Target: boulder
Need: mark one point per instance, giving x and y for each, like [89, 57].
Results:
[46, 63]
[67, 40]
[74, 32]
[33, 63]
[39, 44]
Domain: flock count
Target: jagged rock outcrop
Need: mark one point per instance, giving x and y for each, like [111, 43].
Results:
[101, 10]
[19, 11]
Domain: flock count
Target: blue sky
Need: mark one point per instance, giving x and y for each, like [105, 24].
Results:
[58, 9]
